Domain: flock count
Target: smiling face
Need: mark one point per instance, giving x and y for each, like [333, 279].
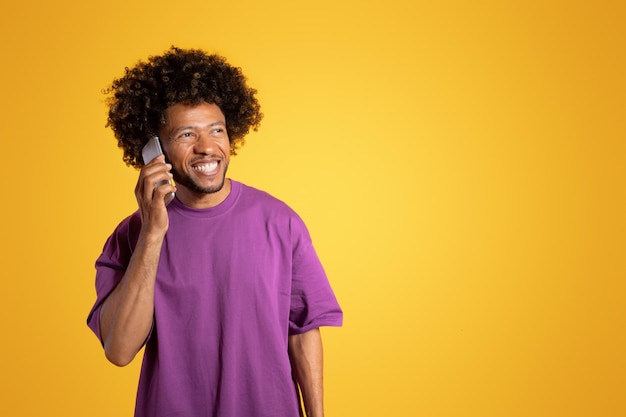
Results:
[195, 142]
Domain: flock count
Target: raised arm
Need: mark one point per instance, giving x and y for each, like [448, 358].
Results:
[306, 353]
[127, 314]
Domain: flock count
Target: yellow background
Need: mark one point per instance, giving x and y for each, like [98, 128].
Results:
[461, 166]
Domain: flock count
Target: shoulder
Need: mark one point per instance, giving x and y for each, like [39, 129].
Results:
[130, 226]
[125, 235]
[271, 208]
[251, 196]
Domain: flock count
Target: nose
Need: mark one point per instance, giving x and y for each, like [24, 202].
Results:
[205, 144]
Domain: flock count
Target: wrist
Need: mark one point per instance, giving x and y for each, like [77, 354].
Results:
[151, 237]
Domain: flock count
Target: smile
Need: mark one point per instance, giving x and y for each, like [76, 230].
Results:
[206, 168]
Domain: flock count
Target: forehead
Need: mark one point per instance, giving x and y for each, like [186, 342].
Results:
[193, 115]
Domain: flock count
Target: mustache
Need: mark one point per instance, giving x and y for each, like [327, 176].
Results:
[207, 158]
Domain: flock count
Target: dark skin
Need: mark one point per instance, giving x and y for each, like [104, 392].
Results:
[138, 100]
[196, 142]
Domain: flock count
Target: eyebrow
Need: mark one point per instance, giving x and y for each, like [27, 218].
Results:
[181, 128]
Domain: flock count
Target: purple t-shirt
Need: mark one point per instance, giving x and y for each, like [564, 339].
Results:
[233, 282]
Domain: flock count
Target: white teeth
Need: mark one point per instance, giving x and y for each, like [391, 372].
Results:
[211, 166]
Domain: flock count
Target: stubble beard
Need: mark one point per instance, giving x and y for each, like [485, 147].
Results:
[189, 183]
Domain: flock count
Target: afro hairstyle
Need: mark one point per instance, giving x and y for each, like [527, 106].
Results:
[138, 100]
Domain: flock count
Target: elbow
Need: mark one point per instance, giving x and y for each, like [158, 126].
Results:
[120, 362]
[118, 358]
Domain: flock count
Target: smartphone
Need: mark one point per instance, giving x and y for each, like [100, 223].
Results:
[151, 150]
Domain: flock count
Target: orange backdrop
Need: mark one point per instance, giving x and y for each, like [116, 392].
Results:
[461, 167]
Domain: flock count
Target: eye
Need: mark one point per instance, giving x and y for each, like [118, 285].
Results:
[186, 135]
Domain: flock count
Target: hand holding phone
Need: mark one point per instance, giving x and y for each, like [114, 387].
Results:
[151, 150]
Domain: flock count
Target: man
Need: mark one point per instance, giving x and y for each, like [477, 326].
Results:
[222, 284]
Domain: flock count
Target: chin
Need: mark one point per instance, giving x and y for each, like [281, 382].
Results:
[211, 189]
[200, 187]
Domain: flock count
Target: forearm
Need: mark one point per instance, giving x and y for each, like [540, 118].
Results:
[306, 355]
[127, 314]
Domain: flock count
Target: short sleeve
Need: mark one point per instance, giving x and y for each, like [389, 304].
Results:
[313, 302]
[111, 265]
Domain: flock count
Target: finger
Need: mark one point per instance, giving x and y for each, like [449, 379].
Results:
[152, 176]
[164, 191]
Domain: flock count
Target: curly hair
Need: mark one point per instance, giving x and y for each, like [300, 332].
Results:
[138, 100]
